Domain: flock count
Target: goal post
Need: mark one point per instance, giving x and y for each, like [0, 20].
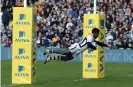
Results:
[23, 50]
[93, 62]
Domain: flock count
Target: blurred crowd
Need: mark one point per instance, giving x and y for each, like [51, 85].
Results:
[60, 22]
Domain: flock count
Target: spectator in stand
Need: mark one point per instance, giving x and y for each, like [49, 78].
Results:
[5, 17]
[60, 21]
[19, 3]
[1, 24]
[45, 42]
[111, 44]
[38, 41]
[130, 43]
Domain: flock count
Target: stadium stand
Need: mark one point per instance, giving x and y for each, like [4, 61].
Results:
[60, 22]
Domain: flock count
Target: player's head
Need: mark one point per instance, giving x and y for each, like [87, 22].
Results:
[95, 32]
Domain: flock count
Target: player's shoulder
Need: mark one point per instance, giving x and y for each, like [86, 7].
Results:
[90, 38]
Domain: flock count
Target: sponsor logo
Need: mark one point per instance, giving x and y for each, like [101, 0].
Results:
[20, 68]
[89, 51]
[22, 23]
[90, 21]
[90, 27]
[21, 54]
[22, 37]
[21, 72]
[22, 18]
[21, 51]
[89, 65]
[90, 68]
[102, 24]
[90, 55]
[21, 34]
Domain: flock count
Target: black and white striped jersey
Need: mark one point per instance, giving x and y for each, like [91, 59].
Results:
[77, 48]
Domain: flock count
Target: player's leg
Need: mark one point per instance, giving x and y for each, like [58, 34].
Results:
[68, 53]
[65, 57]
[59, 51]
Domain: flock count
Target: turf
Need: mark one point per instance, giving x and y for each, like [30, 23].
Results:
[69, 74]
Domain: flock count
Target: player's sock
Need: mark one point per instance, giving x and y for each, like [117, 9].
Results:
[60, 58]
[47, 52]
[52, 58]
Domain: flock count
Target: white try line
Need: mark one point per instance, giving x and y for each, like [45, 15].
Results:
[64, 81]
[76, 80]
[127, 75]
[11, 85]
[130, 75]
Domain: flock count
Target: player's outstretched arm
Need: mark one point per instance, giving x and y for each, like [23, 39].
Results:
[101, 44]
[89, 45]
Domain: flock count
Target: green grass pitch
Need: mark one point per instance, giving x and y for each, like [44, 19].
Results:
[69, 74]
